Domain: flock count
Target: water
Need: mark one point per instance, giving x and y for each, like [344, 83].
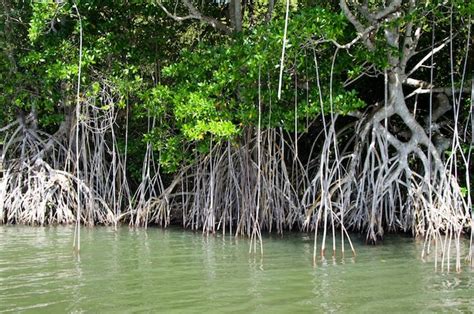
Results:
[172, 270]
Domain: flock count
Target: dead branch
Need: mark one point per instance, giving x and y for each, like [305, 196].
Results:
[195, 14]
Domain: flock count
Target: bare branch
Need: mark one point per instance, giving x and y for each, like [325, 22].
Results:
[417, 83]
[446, 90]
[432, 52]
[423, 87]
[363, 32]
[175, 17]
[363, 9]
[359, 36]
[195, 14]
[9, 126]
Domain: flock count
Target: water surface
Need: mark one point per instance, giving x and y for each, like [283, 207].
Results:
[171, 270]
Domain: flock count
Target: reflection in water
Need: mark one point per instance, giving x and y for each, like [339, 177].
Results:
[166, 270]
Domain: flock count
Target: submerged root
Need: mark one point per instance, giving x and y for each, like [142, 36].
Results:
[385, 184]
[227, 190]
[381, 185]
[37, 195]
[41, 182]
[374, 183]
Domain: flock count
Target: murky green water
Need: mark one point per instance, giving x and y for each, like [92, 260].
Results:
[158, 270]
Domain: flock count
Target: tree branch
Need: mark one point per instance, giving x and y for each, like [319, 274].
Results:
[393, 7]
[360, 35]
[364, 32]
[9, 126]
[446, 90]
[351, 17]
[417, 83]
[364, 10]
[423, 87]
[411, 39]
[175, 17]
[432, 52]
[195, 14]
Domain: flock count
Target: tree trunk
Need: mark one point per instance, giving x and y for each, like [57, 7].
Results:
[235, 13]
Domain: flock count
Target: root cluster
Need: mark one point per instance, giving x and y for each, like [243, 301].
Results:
[371, 181]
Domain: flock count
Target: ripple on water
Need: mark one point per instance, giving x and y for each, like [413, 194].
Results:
[174, 270]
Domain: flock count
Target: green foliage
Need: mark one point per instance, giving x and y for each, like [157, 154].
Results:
[209, 91]
[214, 89]
[197, 84]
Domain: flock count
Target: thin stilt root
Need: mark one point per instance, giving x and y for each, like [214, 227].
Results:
[40, 183]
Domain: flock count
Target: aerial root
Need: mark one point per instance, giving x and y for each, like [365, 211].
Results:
[41, 184]
[385, 184]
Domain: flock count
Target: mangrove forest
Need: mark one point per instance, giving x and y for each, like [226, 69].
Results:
[248, 118]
